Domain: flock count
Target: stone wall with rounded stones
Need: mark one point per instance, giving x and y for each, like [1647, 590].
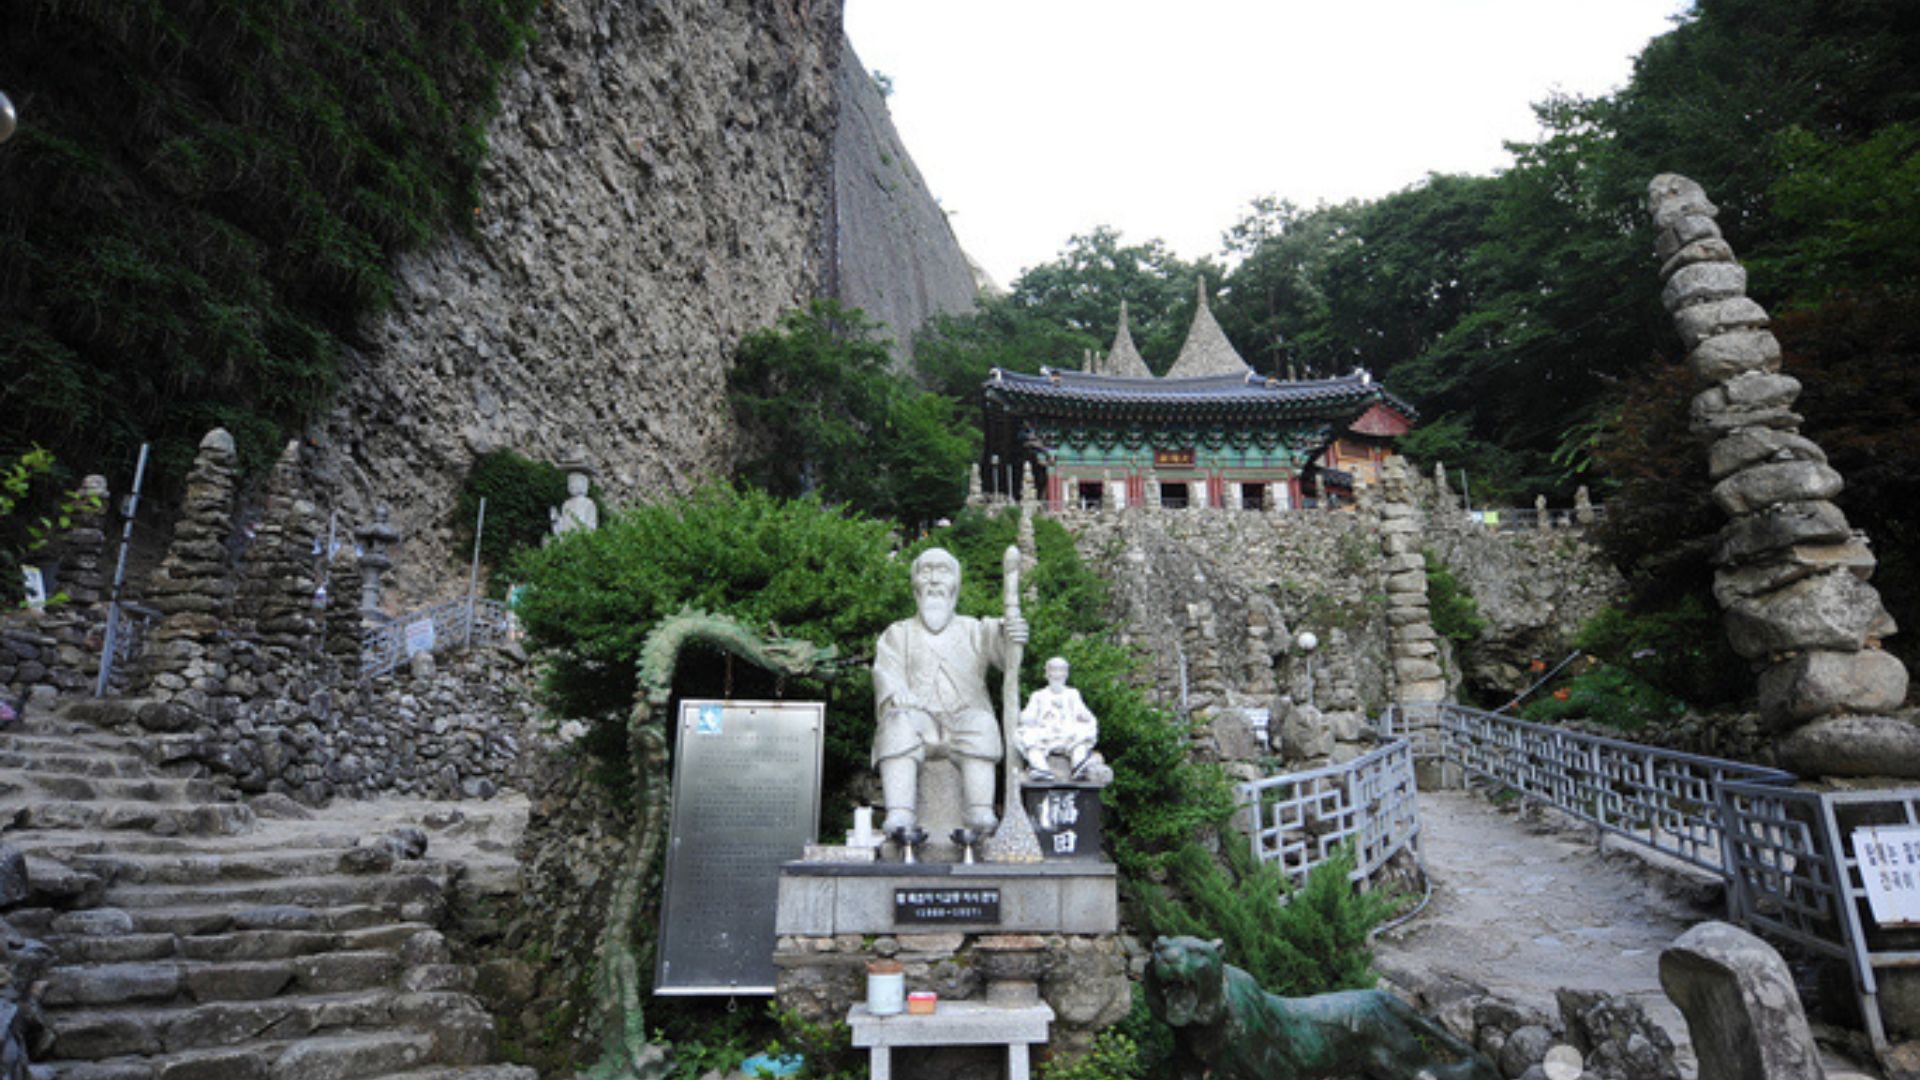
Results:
[1224, 594]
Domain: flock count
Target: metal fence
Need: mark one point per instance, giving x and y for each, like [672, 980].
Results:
[1662, 799]
[449, 624]
[1297, 821]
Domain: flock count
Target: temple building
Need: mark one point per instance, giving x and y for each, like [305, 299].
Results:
[1211, 432]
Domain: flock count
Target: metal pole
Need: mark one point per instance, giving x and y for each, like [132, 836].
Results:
[473, 577]
[120, 575]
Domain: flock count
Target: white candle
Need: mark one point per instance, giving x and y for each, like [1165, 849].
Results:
[863, 826]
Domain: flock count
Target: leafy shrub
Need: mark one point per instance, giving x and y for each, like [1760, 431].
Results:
[519, 492]
[1606, 695]
[1455, 614]
[1679, 650]
[821, 575]
[1113, 1057]
[32, 510]
[1295, 941]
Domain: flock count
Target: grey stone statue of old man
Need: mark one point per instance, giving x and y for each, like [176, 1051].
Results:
[932, 699]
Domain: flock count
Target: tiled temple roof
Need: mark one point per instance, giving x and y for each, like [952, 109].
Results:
[1243, 397]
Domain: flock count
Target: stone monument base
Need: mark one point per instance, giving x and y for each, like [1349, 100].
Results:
[1056, 933]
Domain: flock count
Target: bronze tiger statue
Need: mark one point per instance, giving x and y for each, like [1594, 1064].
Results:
[1225, 1026]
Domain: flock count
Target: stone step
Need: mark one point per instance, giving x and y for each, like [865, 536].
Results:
[211, 865]
[423, 882]
[108, 985]
[72, 763]
[97, 1034]
[193, 819]
[237, 945]
[333, 1056]
[63, 844]
[206, 919]
[27, 784]
[85, 740]
[463, 1073]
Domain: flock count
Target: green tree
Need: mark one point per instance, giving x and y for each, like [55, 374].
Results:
[823, 412]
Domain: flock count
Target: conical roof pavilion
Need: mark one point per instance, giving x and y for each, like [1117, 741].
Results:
[1123, 360]
[1207, 350]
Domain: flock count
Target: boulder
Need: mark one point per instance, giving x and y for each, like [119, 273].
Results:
[1738, 449]
[1304, 734]
[1711, 249]
[1684, 231]
[1772, 483]
[1782, 568]
[1701, 282]
[1723, 356]
[1854, 746]
[1615, 1037]
[1740, 1004]
[1779, 527]
[1821, 683]
[1826, 611]
[1702, 321]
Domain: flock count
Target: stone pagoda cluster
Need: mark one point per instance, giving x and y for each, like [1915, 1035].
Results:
[1791, 574]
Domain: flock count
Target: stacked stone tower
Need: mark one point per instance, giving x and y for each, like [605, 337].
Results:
[1791, 575]
[1418, 677]
[190, 588]
[275, 607]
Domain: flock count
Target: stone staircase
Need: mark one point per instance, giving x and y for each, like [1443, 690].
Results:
[193, 938]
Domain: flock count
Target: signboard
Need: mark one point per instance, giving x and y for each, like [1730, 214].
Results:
[420, 636]
[925, 906]
[1165, 458]
[1889, 857]
[1066, 819]
[746, 798]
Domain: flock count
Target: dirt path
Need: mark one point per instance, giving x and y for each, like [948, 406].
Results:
[1524, 908]
[1526, 904]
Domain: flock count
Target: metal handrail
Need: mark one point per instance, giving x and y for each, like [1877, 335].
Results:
[1300, 820]
[384, 646]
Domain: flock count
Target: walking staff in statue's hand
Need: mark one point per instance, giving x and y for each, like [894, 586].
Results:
[931, 695]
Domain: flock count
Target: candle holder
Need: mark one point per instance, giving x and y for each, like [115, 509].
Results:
[908, 838]
[967, 838]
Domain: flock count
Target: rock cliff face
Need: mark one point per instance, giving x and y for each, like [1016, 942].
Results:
[664, 178]
[890, 250]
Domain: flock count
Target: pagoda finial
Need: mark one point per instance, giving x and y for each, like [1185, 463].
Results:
[1123, 360]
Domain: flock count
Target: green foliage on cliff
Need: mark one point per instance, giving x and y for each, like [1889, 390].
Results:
[520, 493]
[1455, 614]
[824, 413]
[203, 201]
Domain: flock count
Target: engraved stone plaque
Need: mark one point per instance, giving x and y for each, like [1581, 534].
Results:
[746, 798]
[941, 905]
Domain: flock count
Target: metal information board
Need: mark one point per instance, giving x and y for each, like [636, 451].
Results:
[746, 798]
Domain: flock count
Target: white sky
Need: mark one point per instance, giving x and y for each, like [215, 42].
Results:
[1033, 120]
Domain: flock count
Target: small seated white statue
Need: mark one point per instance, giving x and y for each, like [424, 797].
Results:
[1057, 722]
[579, 511]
